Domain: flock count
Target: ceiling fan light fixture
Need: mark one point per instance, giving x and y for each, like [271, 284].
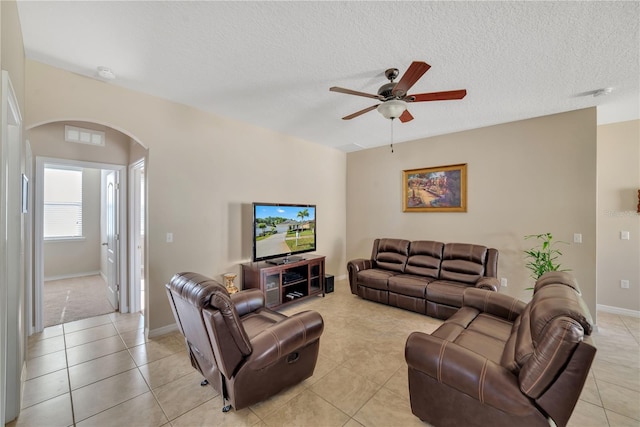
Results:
[392, 109]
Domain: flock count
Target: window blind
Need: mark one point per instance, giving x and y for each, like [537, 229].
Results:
[62, 202]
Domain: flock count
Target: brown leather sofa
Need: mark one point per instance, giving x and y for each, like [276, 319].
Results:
[499, 362]
[245, 351]
[423, 276]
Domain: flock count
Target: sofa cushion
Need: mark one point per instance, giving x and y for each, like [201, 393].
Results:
[410, 285]
[482, 333]
[463, 262]
[375, 278]
[456, 324]
[424, 258]
[391, 254]
[446, 292]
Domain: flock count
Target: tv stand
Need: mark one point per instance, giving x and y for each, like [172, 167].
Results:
[286, 282]
[284, 260]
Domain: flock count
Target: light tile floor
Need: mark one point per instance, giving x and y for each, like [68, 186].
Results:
[102, 372]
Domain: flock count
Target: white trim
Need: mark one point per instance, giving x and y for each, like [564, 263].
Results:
[152, 333]
[618, 310]
[12, 278]
[38, 234]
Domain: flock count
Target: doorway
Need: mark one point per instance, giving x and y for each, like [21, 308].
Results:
[108, 241]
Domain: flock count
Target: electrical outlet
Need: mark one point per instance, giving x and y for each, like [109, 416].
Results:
[577, 238]
[169, 237]
[503, 282]
[624, 284]
[624, 235]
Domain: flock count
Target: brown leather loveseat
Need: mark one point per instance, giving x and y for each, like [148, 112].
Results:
[423, 276]
[244, 350]
[499, 362]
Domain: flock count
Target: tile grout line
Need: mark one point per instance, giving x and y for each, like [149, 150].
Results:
[66, 358]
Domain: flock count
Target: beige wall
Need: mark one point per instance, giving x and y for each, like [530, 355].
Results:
[618, 185]
[12, 48]
[527, 177]
[202, 173]
[48, 140]
[69, 258]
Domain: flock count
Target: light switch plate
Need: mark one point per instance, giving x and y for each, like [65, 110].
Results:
[577, 238]
[624, 235]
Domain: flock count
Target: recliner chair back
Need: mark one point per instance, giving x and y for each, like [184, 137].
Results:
[188, 294]
[466, 263]
[231, 343]
[390, 254]
[550, 348]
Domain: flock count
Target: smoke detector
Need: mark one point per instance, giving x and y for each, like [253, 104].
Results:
[106, 73]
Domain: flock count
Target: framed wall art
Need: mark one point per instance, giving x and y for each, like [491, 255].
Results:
[437, 189]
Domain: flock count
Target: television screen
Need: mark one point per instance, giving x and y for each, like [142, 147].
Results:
[281, 230]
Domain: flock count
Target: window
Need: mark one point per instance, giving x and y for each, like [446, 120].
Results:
[62, 202]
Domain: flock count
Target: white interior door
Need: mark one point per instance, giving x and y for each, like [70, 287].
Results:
[137, 226]
[113, 286]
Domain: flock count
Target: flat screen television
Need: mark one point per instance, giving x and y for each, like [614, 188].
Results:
[281, 232]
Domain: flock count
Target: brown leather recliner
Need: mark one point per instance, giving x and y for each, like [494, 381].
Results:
[245, 351]
[499, 362]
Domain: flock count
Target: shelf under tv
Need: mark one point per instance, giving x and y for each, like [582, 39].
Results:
[294, 281]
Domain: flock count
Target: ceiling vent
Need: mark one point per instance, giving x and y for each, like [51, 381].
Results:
[84, 136]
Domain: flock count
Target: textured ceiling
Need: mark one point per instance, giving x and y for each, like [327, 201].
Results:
[271, 63]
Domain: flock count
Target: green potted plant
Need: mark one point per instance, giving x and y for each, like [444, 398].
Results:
[544, 256]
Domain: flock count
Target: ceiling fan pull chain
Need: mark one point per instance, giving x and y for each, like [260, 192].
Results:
[391, 134]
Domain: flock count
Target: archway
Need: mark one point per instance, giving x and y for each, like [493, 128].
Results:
[118, 152]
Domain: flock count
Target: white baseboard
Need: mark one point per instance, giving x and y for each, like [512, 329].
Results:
[151, 333]
[618, 310]
[73, 275]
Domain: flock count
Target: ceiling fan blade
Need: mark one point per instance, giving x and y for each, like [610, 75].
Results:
[437, 96]
[410, 77]
[406, 116]
[353, 92]
[361, 112]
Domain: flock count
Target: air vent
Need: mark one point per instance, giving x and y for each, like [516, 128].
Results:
[83, 136]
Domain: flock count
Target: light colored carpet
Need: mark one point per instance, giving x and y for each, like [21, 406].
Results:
[72, 299]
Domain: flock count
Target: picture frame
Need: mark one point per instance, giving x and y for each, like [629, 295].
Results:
[435, 189]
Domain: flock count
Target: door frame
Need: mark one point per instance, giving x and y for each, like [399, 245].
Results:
[135, 212]
[38, 234]
[12, 316]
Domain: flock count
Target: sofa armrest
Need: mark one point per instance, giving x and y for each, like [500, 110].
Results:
[488, 283]
[495, 303]
[247, 301]
[285, 337]
[465, 371]
[353, 267]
